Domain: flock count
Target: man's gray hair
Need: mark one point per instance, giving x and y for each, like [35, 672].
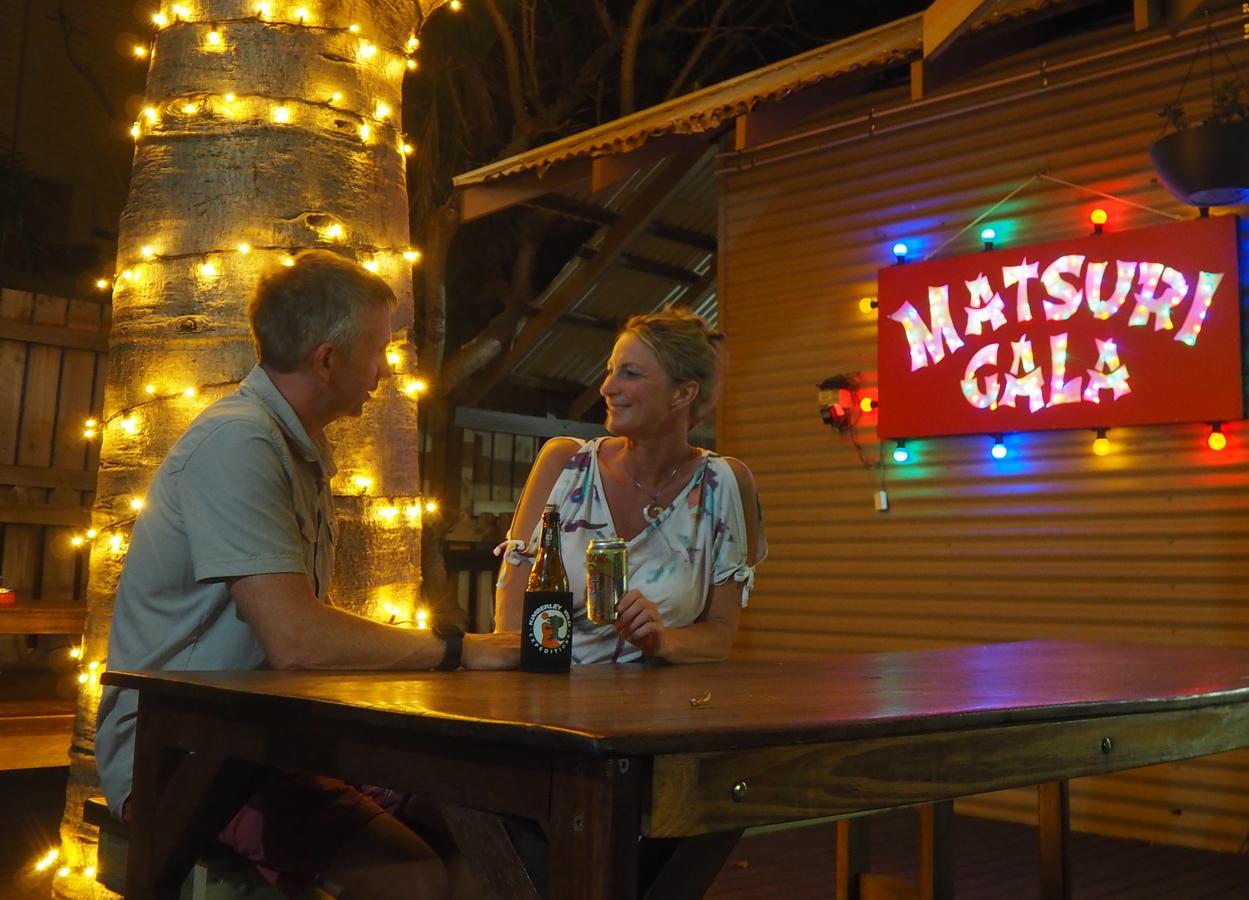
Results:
[319, 299]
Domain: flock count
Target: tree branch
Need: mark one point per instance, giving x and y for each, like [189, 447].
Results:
[67, 32]
[514, 91]
[704, 41]
[629, 53]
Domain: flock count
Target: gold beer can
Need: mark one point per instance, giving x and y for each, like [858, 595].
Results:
[606, 578]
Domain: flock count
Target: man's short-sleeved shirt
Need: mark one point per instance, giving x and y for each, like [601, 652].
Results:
[245, 491]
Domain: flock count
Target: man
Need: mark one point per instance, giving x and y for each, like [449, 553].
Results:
[229, 568]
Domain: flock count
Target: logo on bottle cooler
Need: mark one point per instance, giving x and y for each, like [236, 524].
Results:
[548, 628]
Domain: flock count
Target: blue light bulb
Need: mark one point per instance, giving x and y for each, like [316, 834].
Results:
[899, 250]
[999, 449]
[901, 454]
[988, 234]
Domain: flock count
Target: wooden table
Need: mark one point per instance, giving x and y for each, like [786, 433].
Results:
[687, 754]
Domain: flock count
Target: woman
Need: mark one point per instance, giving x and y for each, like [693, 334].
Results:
[690, 518]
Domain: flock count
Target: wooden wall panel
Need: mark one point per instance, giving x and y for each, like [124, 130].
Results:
[1148, 545]
[48, 386]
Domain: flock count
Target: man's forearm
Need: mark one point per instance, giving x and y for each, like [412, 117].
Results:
[332, 638]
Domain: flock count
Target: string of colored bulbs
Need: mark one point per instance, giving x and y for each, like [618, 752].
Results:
[1216, 440]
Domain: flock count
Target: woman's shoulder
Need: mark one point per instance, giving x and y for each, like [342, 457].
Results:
[731, 471]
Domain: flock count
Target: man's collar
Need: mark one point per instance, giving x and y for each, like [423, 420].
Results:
[259, 386]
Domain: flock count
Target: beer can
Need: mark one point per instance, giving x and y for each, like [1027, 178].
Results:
[606, 578]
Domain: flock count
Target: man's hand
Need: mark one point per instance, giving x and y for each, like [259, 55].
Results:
[500, 650]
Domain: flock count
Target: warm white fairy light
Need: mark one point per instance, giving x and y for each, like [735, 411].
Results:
[148, 252]
[229, 98]
[412, 64]
[75, 652]
[189, 392]
[381, 110]
[63, 872]
[281, 114]
[363, 482]
[422, 619]
[116, 542]
[88, 428]
[150, 112]
[431, 506]
[136, 503]
[160, 20]
[130, 424]
[180, 11]
[413, 43]
[91, 534]
[140, 51]
[407, 149]
[365, 131]
[288, 261]
[415, 386]
[412, 511]
[208, 270]
[335, 232]
[244, 248]
[77, 540]
[336, 97]
[302, 15]
[412, 255]
[150, 388]
[134, 130]
[372, 265]
[353, 28]
[102, 284]
[367, 50]
[456, 5]
[264, 10]
[214, 38]
[393, 358]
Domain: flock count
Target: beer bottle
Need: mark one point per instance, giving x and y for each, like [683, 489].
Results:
[548, 573]
[546, 622]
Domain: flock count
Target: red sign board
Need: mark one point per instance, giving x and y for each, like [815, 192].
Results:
[1131, 328]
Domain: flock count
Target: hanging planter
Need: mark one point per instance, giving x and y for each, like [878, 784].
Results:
[1206, 165]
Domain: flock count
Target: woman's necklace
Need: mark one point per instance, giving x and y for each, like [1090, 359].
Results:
[653, 510]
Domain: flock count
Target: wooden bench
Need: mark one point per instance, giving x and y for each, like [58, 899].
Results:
[217, 875]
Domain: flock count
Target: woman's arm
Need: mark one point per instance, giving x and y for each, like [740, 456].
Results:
[510, 594]
[710, 637]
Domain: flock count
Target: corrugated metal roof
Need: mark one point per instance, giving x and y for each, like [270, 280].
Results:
[891, 44]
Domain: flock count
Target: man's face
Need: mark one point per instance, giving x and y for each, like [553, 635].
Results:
[356, 371]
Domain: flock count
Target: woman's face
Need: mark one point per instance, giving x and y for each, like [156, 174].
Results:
[641, 397]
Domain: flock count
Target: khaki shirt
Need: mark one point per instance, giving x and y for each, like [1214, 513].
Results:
[245, 491]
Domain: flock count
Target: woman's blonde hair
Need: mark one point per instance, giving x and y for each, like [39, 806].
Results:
[321, 298]
[688, 349]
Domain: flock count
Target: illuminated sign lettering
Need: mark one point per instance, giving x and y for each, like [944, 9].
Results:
[1131, 328]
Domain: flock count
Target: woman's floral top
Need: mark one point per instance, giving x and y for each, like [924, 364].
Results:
[697, 542]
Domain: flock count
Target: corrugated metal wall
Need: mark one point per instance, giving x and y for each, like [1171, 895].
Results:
[1149, 544]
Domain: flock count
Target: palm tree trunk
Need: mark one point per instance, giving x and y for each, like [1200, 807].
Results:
[254, 137]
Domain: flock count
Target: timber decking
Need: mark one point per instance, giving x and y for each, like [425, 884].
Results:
[992, 861]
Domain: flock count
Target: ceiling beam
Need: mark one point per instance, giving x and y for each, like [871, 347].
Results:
[945, 20]
[643, 207]
[637, 263]
[571, 208]
[480, 200]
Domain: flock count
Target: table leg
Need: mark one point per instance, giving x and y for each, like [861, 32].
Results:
[1054, 832]
[179, 802]
[488, 848]
[936, 851]
[593, 829]
[854, 856]
[686, 867]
